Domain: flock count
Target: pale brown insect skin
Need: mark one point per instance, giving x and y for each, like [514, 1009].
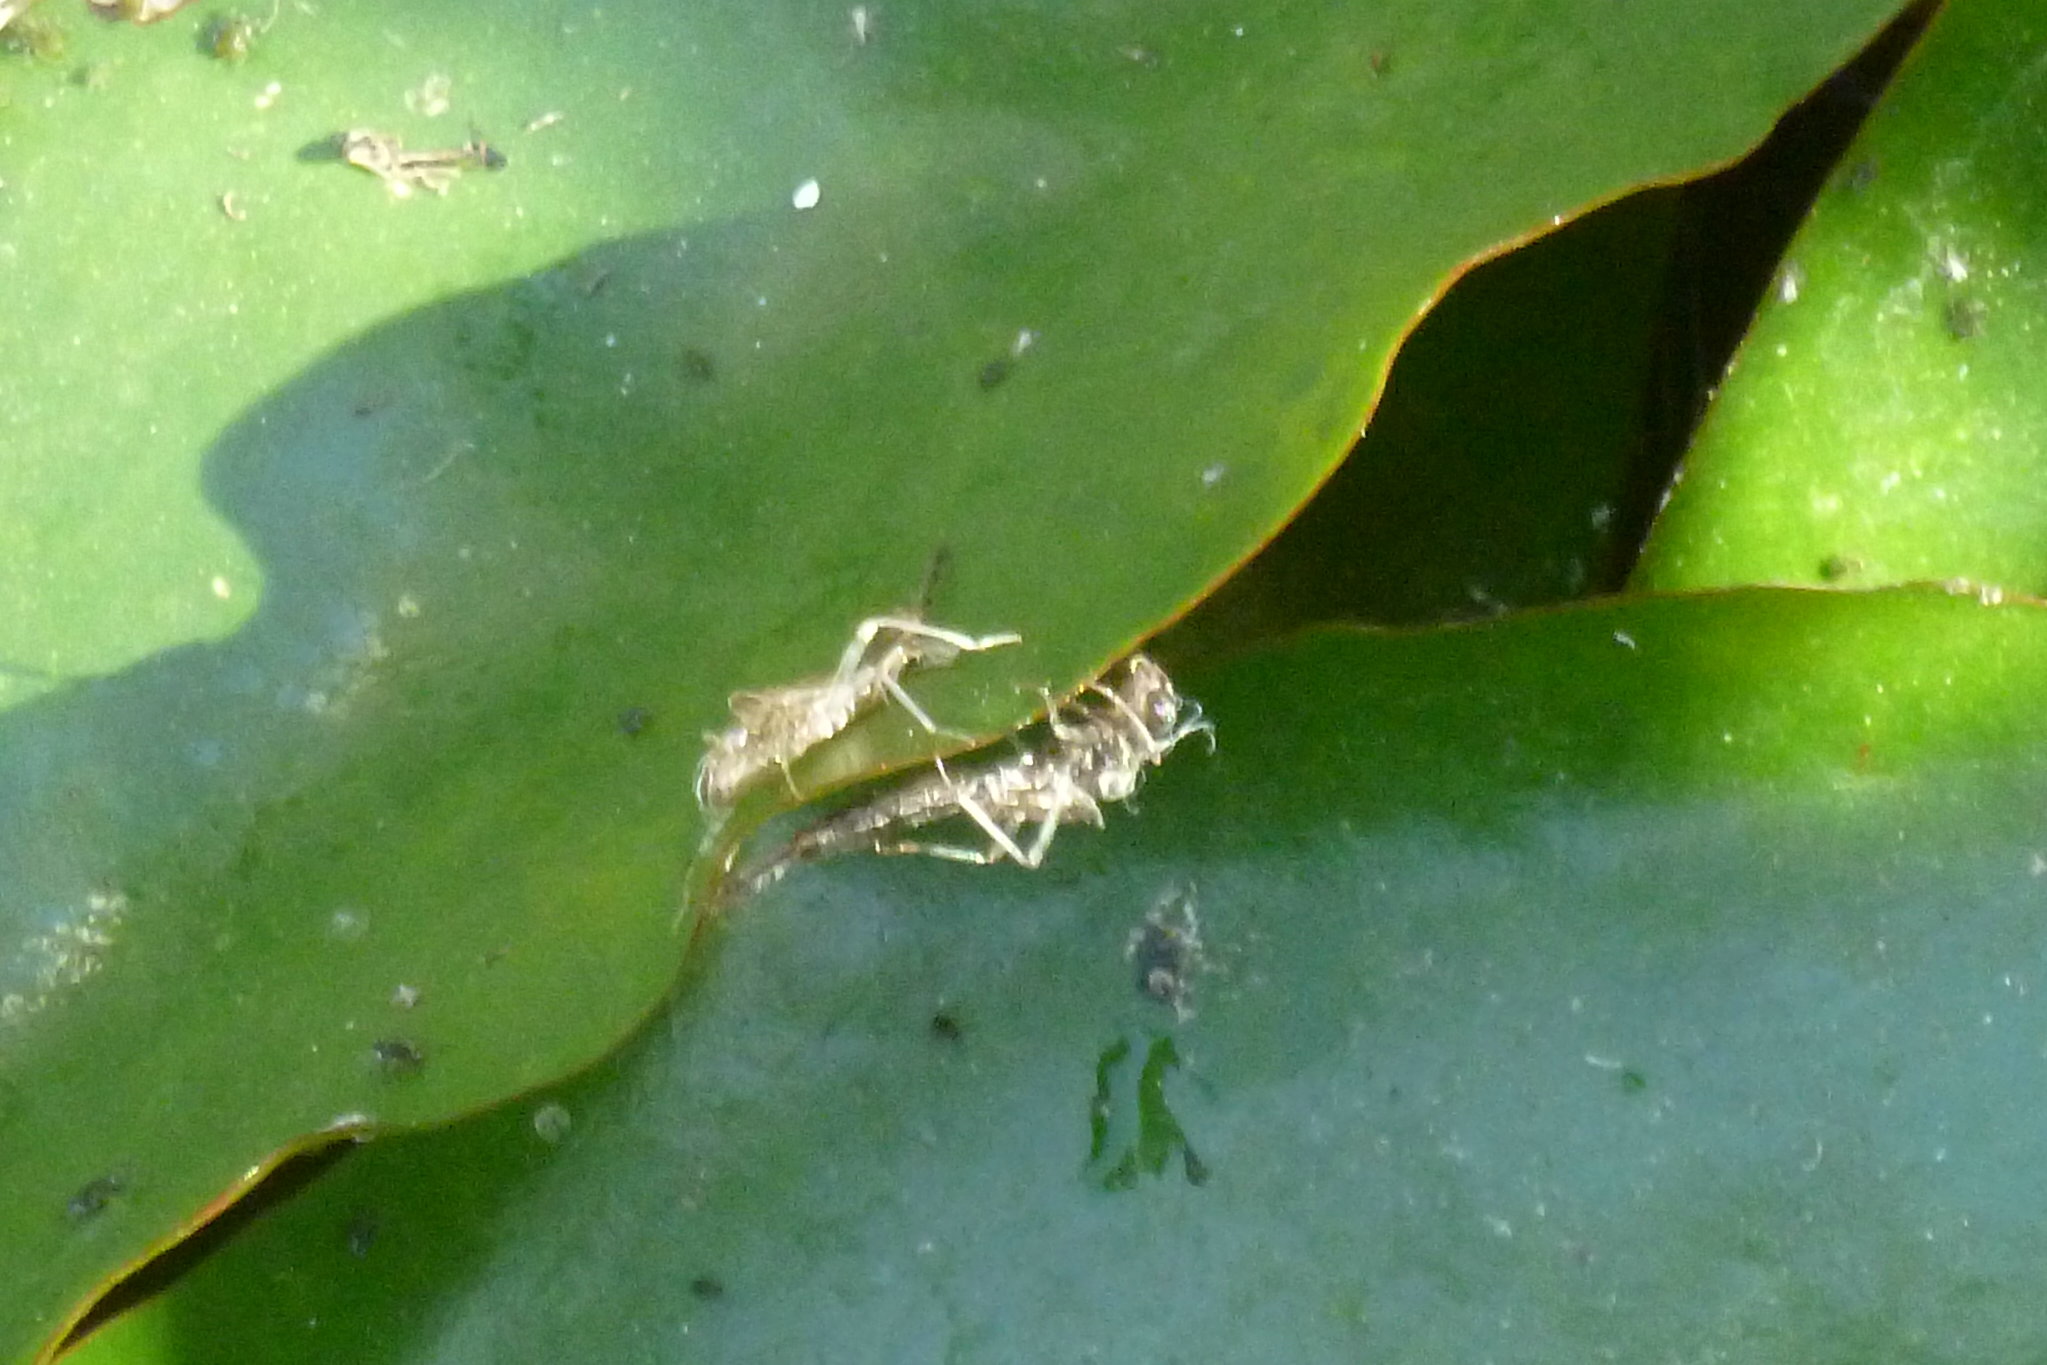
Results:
[774, 727]
[384, 156]
[1098, 750]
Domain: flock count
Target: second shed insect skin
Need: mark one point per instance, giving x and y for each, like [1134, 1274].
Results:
[1097, 751]
[773, 727]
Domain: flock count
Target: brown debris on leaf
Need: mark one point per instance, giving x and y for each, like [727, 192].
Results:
[384, 156]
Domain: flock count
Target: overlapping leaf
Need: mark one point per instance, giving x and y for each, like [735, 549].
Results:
[378, 560]
[1638, 981]
[1883, 422]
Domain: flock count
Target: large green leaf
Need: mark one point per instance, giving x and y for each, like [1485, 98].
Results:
[1884, 419]
[374, 577]
[1656, 981]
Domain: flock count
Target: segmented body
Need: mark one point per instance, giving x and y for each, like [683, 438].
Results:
[774, 727]
[1097, 751]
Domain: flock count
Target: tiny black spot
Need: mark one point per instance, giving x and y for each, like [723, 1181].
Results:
[92, 1198]
[946, 1025]
[633, 720]
[324, 148]
[397, 1057]
[698, 365]
[1834, 568]
[707, 1287]
[996, 370]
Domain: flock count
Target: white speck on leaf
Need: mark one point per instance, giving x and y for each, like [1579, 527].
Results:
[551, 1123]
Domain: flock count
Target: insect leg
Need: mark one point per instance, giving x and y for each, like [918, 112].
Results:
[1065, 797]
[970, 806]
[789, 777]
[1138, 724]
[909, 703]
[911, 628]
[853, 659]
[1194, 724]
[855, 674]
[950, 852]
[1048, 827]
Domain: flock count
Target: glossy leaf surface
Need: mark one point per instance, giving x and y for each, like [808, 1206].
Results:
[1645, 981]
[1884, 421]
[380, 560]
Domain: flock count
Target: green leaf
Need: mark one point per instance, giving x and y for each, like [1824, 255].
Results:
[378, 562]
[1639, 981]
[1883, 421]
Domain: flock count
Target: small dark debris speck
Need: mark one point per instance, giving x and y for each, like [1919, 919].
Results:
[698, 365]
[93, 1197]
[322, 149]
[633, 720]
[398, 1057]
[996, 371]
[1165, 952]
[229, 37]
[1633, 1081]
[707, 1287]
[946, 1025]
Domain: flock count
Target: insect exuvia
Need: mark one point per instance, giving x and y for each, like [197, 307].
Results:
[775, 726]
[1095, 750]
[385, 157]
